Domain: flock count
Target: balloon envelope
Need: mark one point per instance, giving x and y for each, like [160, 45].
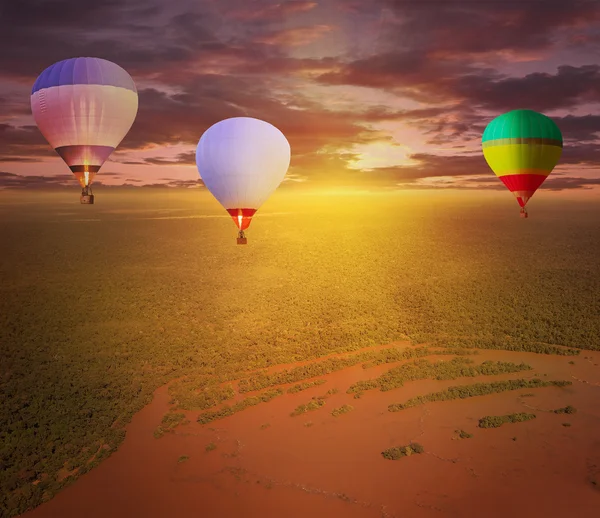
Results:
[522, 147]
[242, 160]
[84, 107]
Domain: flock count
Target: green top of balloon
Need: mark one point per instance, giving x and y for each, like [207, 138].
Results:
[522, 124]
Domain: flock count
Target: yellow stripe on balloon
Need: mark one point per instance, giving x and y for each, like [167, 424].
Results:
[522, 156]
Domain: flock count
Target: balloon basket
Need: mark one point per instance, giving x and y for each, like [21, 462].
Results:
[86, 199]
[242, 240]
[524, 214]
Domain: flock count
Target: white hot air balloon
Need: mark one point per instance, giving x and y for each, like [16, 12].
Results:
[242, 160]
[84, 107]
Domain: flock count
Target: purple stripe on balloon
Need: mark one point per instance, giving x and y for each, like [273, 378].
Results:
[84, 71]
[85, 155]
[85, 168]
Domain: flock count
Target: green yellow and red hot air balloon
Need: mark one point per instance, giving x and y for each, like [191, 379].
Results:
[522, 147]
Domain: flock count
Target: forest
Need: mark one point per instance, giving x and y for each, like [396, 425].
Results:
[99, 308]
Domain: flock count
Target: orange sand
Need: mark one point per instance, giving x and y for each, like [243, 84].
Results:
[334, 467]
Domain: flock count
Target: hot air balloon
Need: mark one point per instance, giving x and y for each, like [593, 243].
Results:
[84, 107]
[242, 160]
[522, 147]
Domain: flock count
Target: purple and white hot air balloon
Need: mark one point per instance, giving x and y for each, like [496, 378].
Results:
[84, 107]
[242, 160]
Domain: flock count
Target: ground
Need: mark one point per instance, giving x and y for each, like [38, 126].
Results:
[103, 304]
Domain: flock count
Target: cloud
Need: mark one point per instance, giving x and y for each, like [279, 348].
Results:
[429, 165]
[23, 143]
[444, 52]
[140, 35]
[480, 27]
[537, 91]
[111, 173]
[585, 153]
[182, 118]
[562, 183]
[435, 69]
[18, 159]
[295, 37]
[15, 181]
[180, 159]
[175, 183]
[264, 12]
[183, 184]
[579, 128]
[412, 75]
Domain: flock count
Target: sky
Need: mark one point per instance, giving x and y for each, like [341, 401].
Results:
[375, 94]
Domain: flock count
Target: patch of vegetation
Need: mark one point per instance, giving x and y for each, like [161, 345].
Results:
[464, 435]
[571, 362]
[170, 421]
[329, 365]
[458, 367]
[199, 393]
[510, 345]
[306, 385]
[476, 389]
[394, 355]
[210, 446]
[566, 410]
[308, 424]
[227, 410]
[342, 410]
[315, 404]
[183, 458]
[566, 424]
[528, 394]
[496, 421]
[265, 425]
[402, 451]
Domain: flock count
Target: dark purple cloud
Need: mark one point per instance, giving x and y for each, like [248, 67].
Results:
[199, 62]
[15, 181]
[579, 128]
[67, 181]
[561, 183]
[434, 165]
[24, 141]
[180, 159]
[182, 118]
[175, 183]
[584, 153]
[567, 88]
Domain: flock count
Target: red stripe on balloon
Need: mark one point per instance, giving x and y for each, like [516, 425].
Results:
[523, 186]
[523, 182]
[242, 217]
